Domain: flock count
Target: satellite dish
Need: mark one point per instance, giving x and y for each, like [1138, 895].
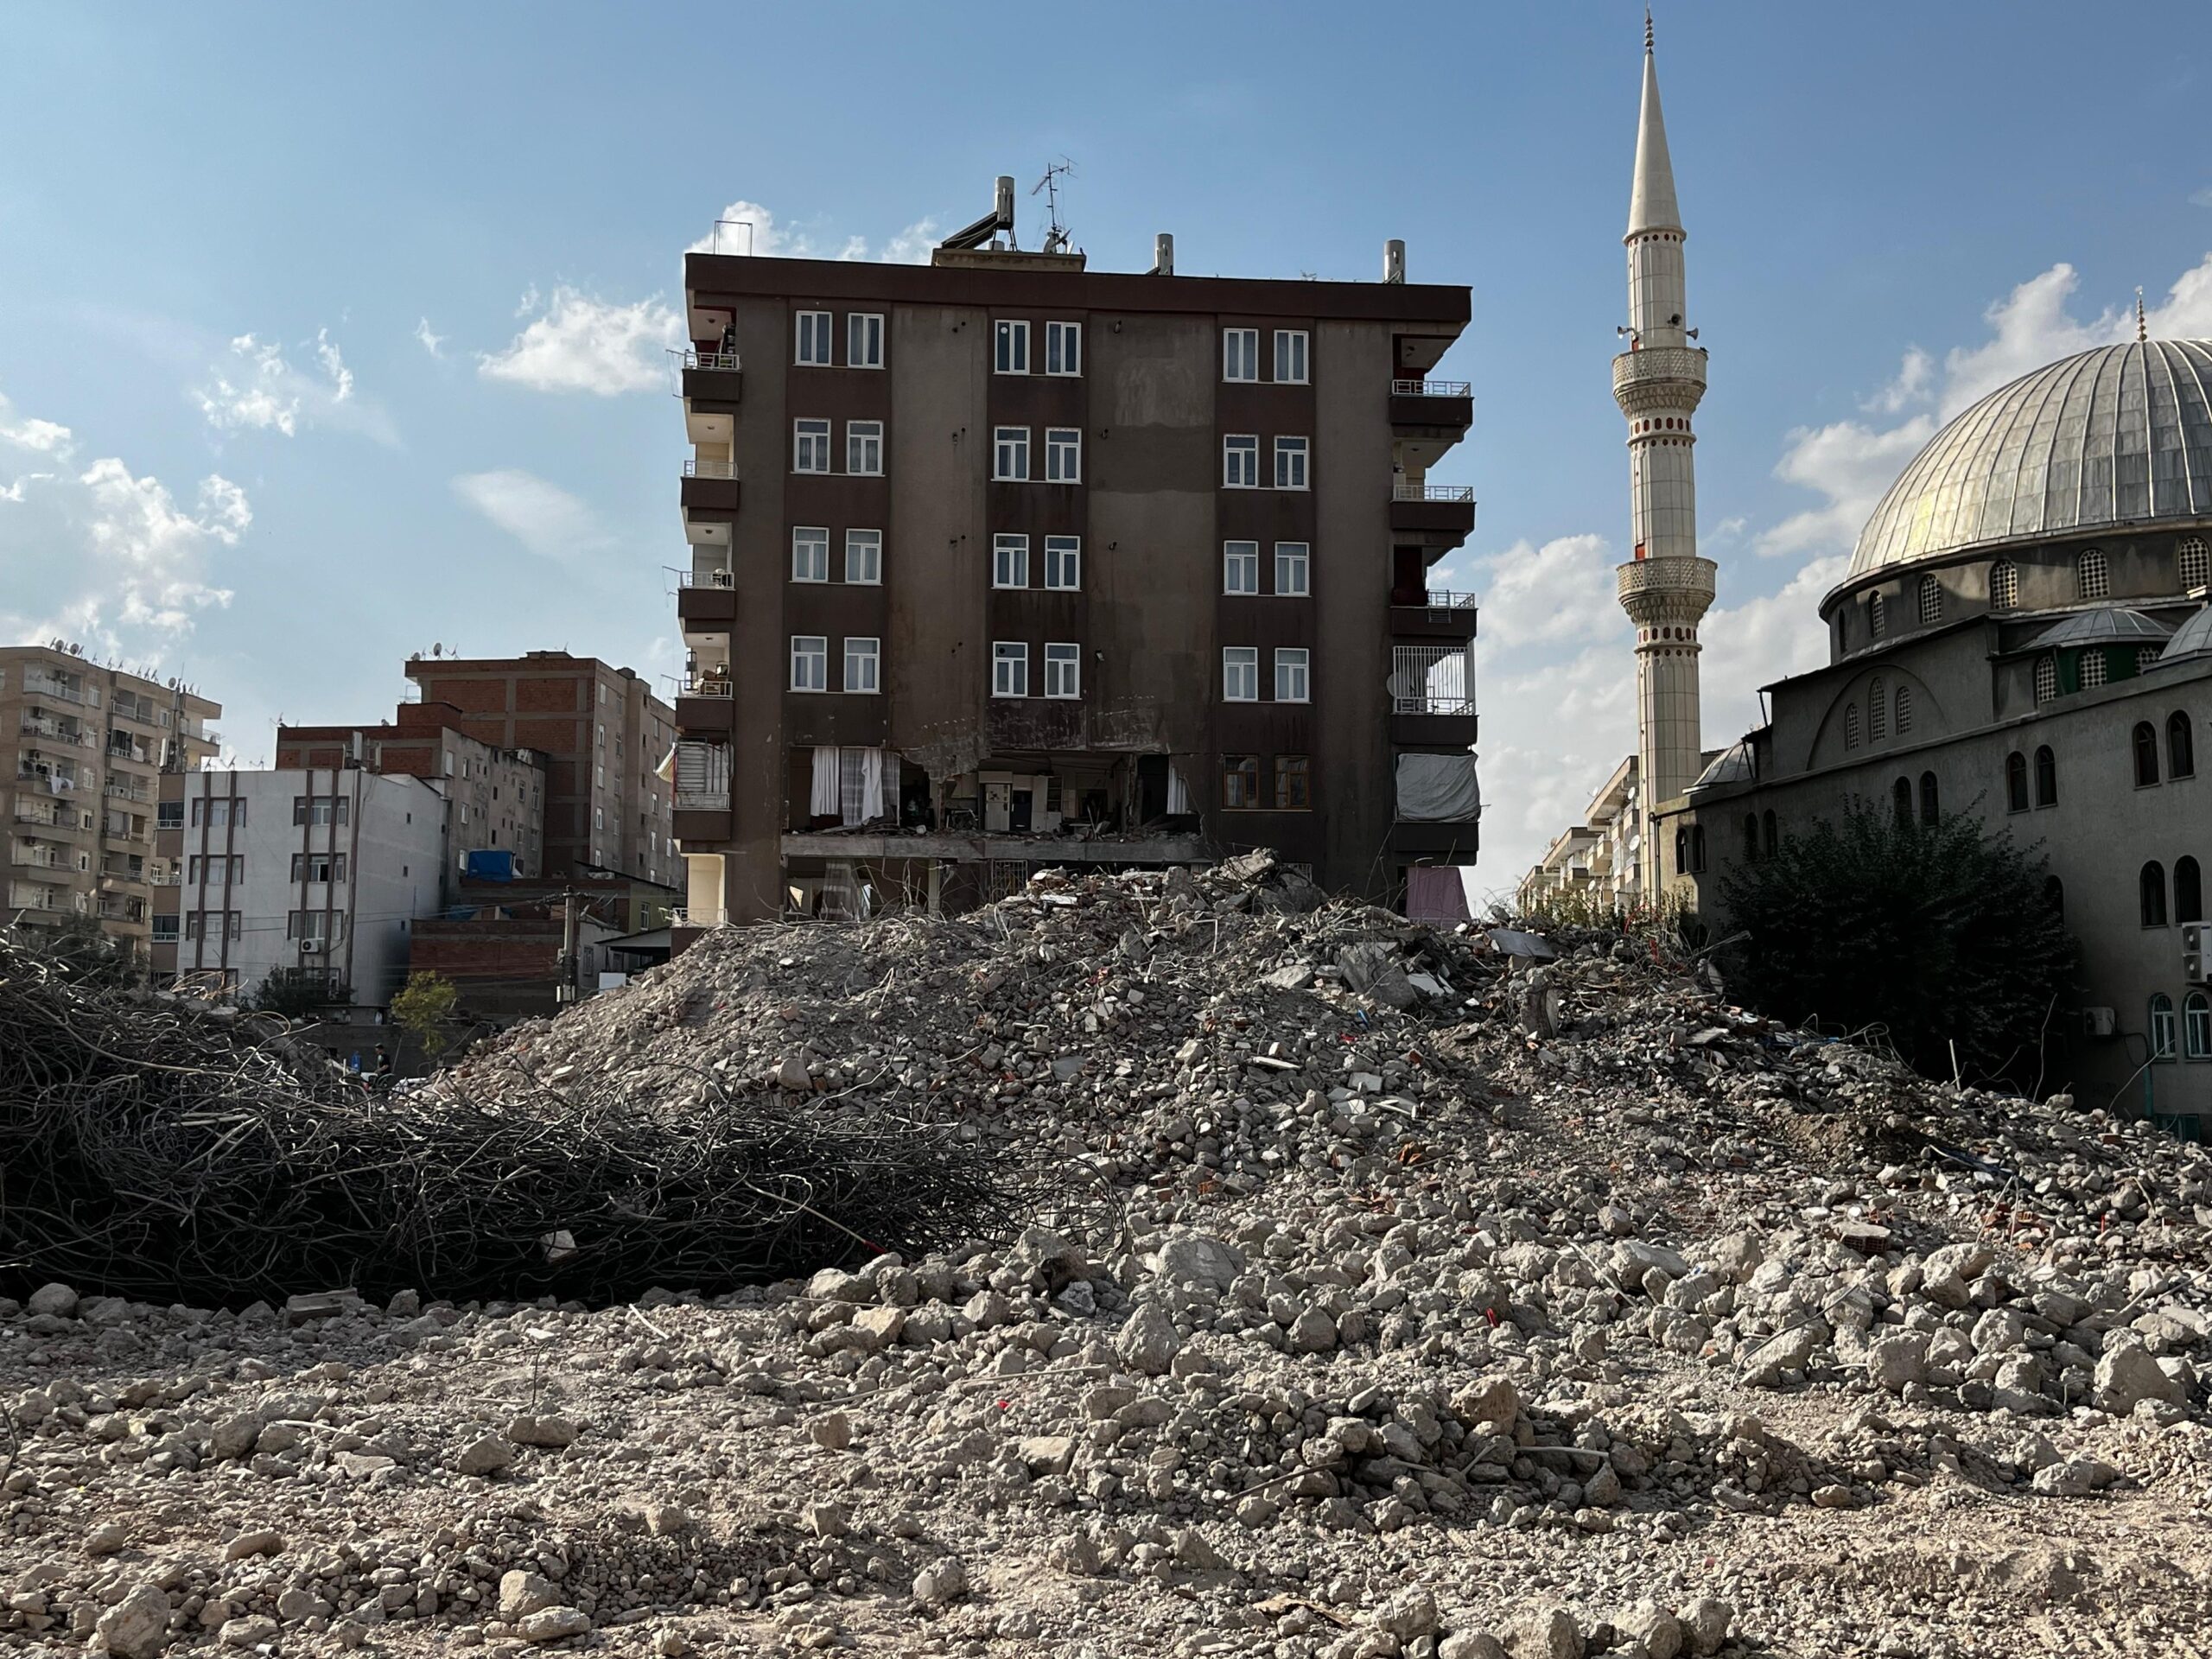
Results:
[1400, 684]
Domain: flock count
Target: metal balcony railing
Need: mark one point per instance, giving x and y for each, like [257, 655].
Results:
[1432, 388]
[1432, 680]
[124, 792]
[1443, 598]
[703, 800]
[167, 878]
[29, 858]
[717, 917]
[38, 686]
[706, 578]
[711, 360]
[1401, 491]
[697, 468]
[722, 688]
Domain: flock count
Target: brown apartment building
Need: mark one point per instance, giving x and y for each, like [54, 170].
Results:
[602, 736]
[90, 743]
[1002, 562]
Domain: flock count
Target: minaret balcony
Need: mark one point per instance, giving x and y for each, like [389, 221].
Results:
[1428, 416]
[1432, 515]
[1659, 377]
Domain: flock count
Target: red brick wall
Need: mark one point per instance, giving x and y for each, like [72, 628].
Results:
[476, 695]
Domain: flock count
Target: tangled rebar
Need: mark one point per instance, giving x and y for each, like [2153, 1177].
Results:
[156, 1148]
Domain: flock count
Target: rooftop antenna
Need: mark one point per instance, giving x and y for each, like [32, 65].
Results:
[1056, 233]
[2142, 329]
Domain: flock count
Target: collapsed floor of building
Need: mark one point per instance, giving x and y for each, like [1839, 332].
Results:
[1383, 1291]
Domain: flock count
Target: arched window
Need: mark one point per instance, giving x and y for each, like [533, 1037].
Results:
[1751, 838]
[2181, 746]
[2146, 754]
[1931, 602]
[1773, 842]
[1901, 799]
[2091, 666]
[1697, 847]
[2090, 579]
[2192, 564]
[1850, 725]
[1877, 711]
[2003, 585]
[1903, 710]
[2046, 677]
[2196, 1026]
[2150, 886]
[2054, 894]
[1682, 851]
[2162, 1025]
[1929, 805]
[2016, 782]
[2189, 891]
[2144, 656]
[1878, 617]
[2046, 777]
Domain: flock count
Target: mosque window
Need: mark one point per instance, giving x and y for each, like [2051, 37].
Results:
[2189, 891]
[2046, 777]
[1877, 711]
[2194, 563]
[1877, 621]
[2091, 666]
[1901, 799]
[1903, 710]
[2145, 742]
[2181, 746]
[2144, 656]
[1930, 806]
[1931, 602]
[2162, 1025]
[2016, 782]
[2003, 585]
[2046, 677]
[2196, 1026]
[2090, 578]
[1850, 725]
[2150, 888]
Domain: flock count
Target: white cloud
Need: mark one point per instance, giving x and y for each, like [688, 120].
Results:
[1561, 591]
[543, 517]
[269, 394]
[1553, 731]
[434, 344]
[746, 227]
[579, 343]
[1915, 375]
[1852, 464]
[104, 555]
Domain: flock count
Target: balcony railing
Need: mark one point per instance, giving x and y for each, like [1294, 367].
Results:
[1442, 598]
[711, 360]
[1401, 491]
[37, 686]
[29, 858]
[717, 917]
[123, 791]
[167, 878]
[1432, 388]
[706, 578]
[697, 468]
[722, 688]
[50, 819]
[703, 800]
[42, 779]
[1432, 680]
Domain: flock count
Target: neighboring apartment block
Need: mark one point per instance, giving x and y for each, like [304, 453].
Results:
[324, 869]
[91, 744]
[497, 794]
[600, 735]
[1002, 562]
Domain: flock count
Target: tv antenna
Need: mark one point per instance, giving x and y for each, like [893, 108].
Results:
[1056, 233]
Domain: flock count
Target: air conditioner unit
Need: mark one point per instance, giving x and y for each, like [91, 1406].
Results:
[2195, 940]
[2099, 1022]
[311, 947]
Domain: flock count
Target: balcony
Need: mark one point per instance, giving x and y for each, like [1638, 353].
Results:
[698, 919]
[713, 383]
[1432, 515]
[40, 685]
[1432, 695]
[1428, 416]
[707, 603]
[1433, 613]
[122, 790]
[53, 732]
[710, 493]
[706, 708]
[37, 858]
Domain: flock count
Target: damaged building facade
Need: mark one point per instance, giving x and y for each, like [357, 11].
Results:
[1002, 562]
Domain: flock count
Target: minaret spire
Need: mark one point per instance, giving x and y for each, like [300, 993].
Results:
[2142, 327]
[1665, 587]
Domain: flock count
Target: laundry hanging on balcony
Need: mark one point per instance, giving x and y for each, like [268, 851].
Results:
[848, 786]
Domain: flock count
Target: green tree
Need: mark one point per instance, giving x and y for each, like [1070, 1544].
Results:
[299, 993]
[424, 1009]
[1940, 934]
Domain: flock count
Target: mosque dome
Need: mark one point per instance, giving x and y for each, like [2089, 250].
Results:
[2193, 637]
[2118, 436]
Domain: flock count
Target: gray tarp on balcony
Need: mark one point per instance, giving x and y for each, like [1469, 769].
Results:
[1438, 789]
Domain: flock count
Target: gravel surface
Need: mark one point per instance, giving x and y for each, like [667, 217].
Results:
[1384, 1293]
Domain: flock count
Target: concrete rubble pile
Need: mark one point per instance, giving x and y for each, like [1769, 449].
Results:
[1390, 1292]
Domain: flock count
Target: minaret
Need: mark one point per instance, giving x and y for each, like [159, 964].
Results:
[1657, 382]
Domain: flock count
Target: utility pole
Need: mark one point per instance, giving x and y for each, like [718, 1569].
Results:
[565, 991]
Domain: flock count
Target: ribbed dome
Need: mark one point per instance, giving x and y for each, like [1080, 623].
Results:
[2108, 625]
[2116, 435]
[2193, 636]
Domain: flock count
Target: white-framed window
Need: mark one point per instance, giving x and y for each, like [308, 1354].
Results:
[809, 662]
[864, 448]
[317, 867]
[1240, 673]
[1290, 463]
[1063, 348]
[864, 340]
[809, 553]
[864, 665]
[2162, 1025]
[1062, 670]
[1290, 357]
[1009, 668]
[1063, 455]
[1063, 563]
[1292, 664]
[2196, 1017]
[1240, 462]
[811, 445]
[864, 557]
[1009, 561]
[1240, 354]
[1010, 454]
[1293, 569]
[1011, 354]
[813, 346]
[1240, 567]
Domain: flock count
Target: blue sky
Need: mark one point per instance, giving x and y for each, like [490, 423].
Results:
[325, 336]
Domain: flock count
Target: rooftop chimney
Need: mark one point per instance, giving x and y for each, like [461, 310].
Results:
[1394, 260]
[1163, 254]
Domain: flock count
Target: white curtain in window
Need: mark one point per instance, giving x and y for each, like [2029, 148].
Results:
[824, 801]
[1179, 792]
[871, 785]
